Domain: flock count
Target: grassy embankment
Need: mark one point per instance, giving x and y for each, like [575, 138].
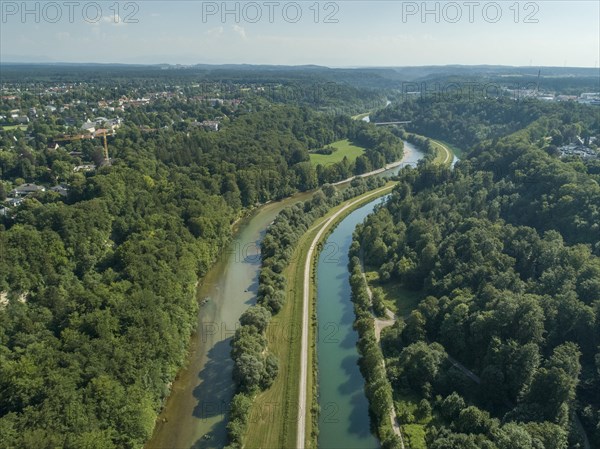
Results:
[274, 413]
[345, 148]
[457, 151]
[443, 154]
[361, 116]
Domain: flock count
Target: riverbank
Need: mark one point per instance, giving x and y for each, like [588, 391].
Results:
[407, 155]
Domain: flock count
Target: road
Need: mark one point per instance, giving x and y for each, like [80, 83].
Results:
[306, 289]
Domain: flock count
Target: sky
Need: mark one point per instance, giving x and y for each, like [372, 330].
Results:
[336, 34]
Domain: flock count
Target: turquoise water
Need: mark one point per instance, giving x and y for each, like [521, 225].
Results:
[344, 420]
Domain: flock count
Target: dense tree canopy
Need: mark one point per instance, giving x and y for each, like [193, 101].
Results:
[506, 250]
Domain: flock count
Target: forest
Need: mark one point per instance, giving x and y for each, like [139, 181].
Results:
[504, 348]
[98, 288]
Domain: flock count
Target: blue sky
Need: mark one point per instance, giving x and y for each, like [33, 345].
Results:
[341, 33]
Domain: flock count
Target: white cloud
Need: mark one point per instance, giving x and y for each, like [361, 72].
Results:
[214, 32]
[240, 31]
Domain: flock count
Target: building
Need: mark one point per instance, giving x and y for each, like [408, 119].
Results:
[88, 126]
[13, 202]
[26, 189]
[61, 189]
[210, 125]
[4, 211]
[576, 149]
[84, 168]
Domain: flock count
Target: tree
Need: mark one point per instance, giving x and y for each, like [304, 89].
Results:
[421, 363]
[474, 420]
[256, 316]
[423, 412]
[513, 436]
[452, 405]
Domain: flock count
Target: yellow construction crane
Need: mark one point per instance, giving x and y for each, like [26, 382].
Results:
[106, 158]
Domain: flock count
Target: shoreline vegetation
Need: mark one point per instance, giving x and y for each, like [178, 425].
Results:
[372, 364]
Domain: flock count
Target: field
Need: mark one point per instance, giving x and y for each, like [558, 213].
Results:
[344, 148]
[396, 297]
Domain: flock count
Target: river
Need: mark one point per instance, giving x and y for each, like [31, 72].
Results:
[344, 420]
[201, 394]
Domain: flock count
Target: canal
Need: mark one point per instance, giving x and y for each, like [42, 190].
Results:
[344, 420]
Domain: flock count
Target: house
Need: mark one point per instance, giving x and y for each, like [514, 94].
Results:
[4, 211]
[61, 189]
[26, 189]
[50, 108]
[22, 119]
[211, 125]
[53, 146]
[89, 127]
[84, 168]
[215, 101]
[575, 149]
[13, 202]
[114, 123]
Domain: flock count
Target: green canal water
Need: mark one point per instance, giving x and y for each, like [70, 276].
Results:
[344, 419]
